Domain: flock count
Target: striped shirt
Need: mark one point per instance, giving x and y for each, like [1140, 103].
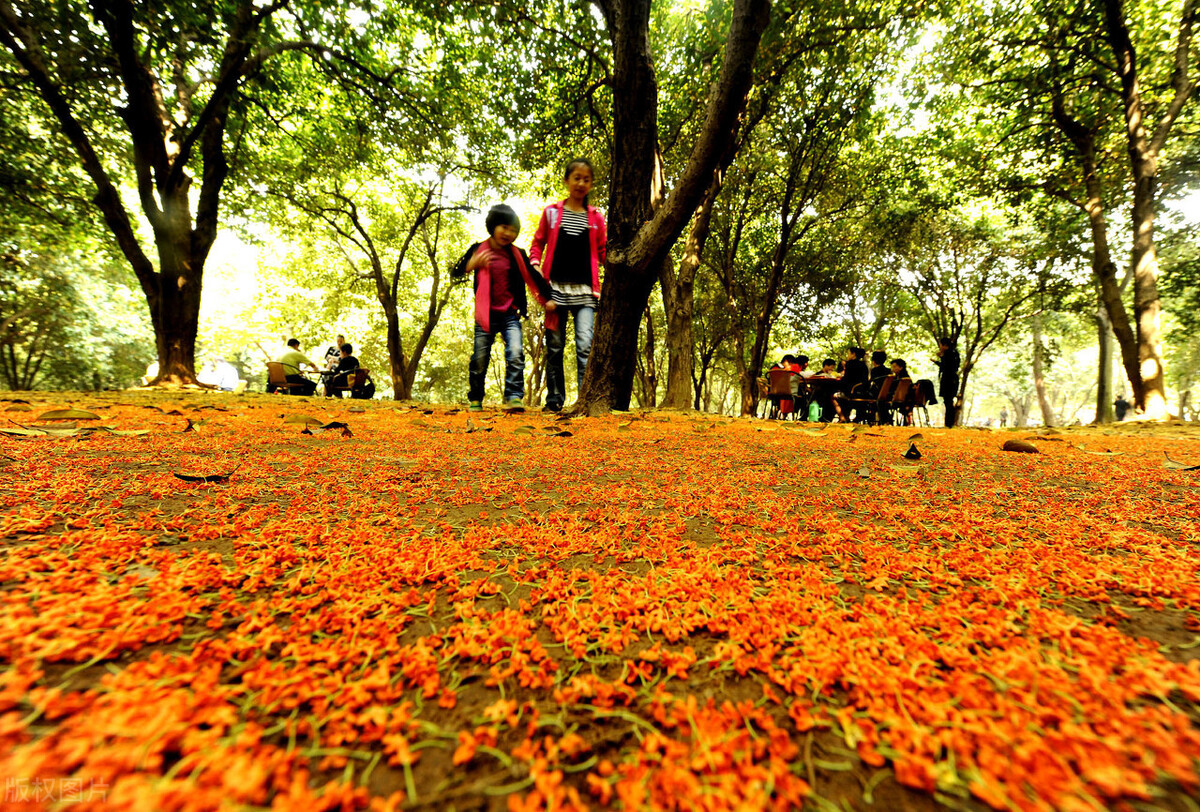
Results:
[574, 248]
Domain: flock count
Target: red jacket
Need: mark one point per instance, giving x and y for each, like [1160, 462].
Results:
[483, 283]
[541, 250]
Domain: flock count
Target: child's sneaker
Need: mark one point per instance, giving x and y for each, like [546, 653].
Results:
[475, 406]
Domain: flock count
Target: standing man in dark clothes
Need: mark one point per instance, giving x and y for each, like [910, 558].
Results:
[1121, 407]
[948, 362]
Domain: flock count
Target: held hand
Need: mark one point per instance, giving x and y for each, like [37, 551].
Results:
[551, 306]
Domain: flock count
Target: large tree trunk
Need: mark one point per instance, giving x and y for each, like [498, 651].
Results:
[639, 243]
[1104, 391]
[1144, 148]
[614, 350]
[1105, 270]
[177, 313]
[1147, 308]
[1039, 373]
[1106, 273]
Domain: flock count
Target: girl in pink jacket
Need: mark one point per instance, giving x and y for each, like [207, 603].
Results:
[569, 248]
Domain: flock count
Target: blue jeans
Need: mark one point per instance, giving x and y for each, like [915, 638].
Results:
[585, 322]
[509, 326]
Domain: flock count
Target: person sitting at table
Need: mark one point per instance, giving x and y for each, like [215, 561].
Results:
[855, 380]
[291, 362]
[340, 379]
[825, 383]
[899, 372]
[879, 372]
[802, 362]
[792, 364]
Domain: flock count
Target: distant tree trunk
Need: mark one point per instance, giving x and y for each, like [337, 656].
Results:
[702, 382]
[1020, 408]
[678, 287]
[1039, 372]
[1104, 391]
[397, 365]
[535, 356]
[647, 371]
[747, 386]
[640, 238]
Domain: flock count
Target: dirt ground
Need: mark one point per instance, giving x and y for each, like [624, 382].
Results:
[259, 601]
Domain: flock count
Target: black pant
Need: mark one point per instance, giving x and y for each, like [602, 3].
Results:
[332, 385]
[306, 387]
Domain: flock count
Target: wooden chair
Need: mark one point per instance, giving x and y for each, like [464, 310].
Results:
[277, 379]
[903, 400]
[355, 379]
[866, 405]
[924, 397]
[884, 399]
[779, 390]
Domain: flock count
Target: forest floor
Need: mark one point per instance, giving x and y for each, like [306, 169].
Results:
[429, 609]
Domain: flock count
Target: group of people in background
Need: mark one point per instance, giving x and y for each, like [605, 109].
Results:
[340, 364]
[856, 381]
[561, 271]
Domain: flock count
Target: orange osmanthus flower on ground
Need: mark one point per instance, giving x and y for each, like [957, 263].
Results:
[662, 611]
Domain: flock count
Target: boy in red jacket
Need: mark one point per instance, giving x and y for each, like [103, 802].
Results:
[502, 272]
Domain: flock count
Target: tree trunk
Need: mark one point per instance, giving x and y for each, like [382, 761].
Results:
[535, 378]
[747, 384]
[1020, 409]
[678, 290]
[1110, 290]
[1143, 150]
[1039, 373]
[640, 243]
[613, 362]
[679, 304]
[647, 372]
[1084, 142]
[1104, 391]
[397, 365]
[177, 317]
